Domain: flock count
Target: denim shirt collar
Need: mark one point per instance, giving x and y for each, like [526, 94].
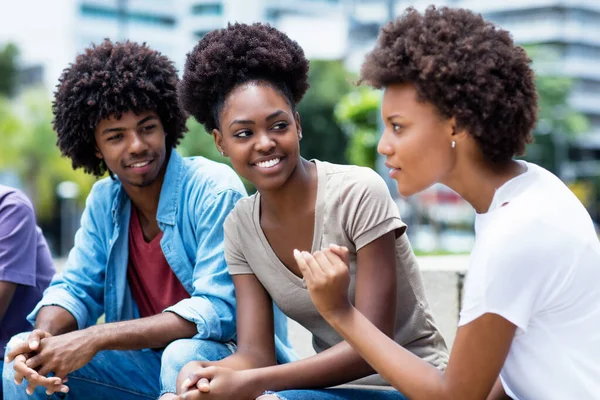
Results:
[169, 193]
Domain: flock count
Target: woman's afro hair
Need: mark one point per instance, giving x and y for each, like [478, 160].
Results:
[465, 66]
[225, 58]
[108, 80]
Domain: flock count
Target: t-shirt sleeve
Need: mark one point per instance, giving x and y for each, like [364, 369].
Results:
[18, 241]
[369, 211]
[513, 276]
[236, 262]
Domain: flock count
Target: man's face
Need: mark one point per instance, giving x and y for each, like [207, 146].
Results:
[133, 147]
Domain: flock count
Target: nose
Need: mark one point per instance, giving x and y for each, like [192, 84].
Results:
[137, 144]
[384, 147]
[265, 142]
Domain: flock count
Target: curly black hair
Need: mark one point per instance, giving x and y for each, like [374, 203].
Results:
[225, 58]
[107, 80]
[467, 68]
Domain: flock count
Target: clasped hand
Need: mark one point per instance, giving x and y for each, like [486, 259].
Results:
[42, 354]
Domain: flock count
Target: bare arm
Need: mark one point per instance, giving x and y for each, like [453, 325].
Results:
[152, 332]
[338, 364]
[55, 320]
[479, 350]
[7, 290]
[375, 273]
[497, 392]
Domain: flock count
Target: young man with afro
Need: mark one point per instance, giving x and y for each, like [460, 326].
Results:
[149, 253]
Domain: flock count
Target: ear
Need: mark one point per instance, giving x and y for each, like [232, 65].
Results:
[457, 133]
[98, 154]
[218, 141]
[298, 125]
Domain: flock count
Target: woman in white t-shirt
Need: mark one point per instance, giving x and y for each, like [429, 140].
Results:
[459, 103]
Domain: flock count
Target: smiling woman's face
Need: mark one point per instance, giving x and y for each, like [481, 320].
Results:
[259, 132]
[416, 141]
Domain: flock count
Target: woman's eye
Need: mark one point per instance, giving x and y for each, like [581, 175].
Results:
[396, 127]
[243, 134]
[280, 126]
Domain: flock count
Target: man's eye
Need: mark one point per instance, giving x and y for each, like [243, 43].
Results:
[149, 128]
[115, 137]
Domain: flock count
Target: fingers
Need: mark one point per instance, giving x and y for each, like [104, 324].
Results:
[201, 378]
[35, 337]
[191, 395]
[20, 369]
[341, 251]
[17, 347]
[203, 385]
[34, 362]
[303, 265]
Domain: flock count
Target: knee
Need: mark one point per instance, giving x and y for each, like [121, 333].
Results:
[15, 340]
[182, 351]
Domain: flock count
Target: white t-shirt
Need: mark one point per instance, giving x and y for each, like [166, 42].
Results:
[536, 262]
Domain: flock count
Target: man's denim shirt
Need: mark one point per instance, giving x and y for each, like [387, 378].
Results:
[196, 196]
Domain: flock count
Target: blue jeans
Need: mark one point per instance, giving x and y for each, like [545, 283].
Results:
[124, 375]
[339, 394]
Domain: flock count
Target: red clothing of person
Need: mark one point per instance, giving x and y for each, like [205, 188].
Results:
[153, 283]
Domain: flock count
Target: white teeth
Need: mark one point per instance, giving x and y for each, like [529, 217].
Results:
[140, 164]
[269, 163]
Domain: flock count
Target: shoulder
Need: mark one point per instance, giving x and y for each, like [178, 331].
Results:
[15, 203]
[210, 177]
[355, 179]
[241, 215]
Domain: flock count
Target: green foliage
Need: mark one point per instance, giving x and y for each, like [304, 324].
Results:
[8, 69]
[358, 113]
[323, 137]
[29, 149]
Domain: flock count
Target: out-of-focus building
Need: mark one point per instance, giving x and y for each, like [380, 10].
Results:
[50, 33]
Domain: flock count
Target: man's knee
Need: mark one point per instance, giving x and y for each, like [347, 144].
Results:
[182, 351]
[15, 340]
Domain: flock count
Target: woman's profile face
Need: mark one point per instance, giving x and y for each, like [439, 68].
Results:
[259, 132]
[416, 141]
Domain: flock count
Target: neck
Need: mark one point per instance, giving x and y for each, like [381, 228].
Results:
[477, 182]
[146, 198]
[298, 191]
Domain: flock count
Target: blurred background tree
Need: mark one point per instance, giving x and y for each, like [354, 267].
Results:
[29, 150]
[8, 69]
[323, 137]
[358, 114]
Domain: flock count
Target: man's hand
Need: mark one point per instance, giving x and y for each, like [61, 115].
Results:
[21, 353]
[63, 354]
[327, 279]
[217, 383]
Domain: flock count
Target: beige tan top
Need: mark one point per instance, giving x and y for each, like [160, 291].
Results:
[353, 208]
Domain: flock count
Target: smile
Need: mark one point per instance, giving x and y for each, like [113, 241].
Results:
[140, 164]
[268, 163]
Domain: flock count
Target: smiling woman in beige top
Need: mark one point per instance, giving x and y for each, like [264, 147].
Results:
[243, 83]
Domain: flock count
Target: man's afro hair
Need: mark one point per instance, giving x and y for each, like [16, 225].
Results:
[106, 81]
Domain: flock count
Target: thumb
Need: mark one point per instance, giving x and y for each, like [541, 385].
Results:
[342, 252]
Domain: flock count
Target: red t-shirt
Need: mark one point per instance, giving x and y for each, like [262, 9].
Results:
[153, 283]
